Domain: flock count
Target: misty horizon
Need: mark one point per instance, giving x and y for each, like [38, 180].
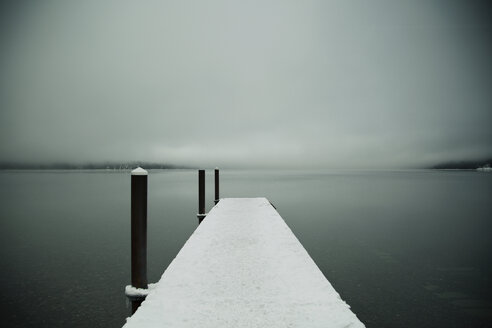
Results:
[260, 84]
[467, 164]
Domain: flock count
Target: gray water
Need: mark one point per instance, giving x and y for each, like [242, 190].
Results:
[403, 248]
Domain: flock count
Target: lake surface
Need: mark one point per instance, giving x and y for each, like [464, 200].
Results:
[403, 248]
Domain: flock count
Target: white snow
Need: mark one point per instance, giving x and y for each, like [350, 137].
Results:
[139, 171]
[138, 292]
[486, 168]
[243, 267]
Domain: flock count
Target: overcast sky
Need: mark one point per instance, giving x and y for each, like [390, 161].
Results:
[246, 83]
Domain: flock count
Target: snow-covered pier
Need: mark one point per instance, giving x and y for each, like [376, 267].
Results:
[243, 267]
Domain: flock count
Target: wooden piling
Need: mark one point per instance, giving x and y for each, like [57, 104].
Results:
[216, 185]
[139, 228]
[201, 195]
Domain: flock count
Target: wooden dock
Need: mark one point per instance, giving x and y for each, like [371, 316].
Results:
[243, 267]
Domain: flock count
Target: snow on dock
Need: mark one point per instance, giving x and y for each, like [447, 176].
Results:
[243, 267]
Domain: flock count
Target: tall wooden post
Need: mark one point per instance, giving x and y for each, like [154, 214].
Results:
[139, 228]
[216, 185]
[201, 195]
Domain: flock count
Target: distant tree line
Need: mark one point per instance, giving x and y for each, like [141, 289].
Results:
[87, 166]
[462, 165]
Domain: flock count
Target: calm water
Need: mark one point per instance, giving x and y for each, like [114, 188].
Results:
[403, 248]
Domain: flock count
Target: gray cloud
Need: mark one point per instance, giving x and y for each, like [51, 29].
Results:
[236, 83]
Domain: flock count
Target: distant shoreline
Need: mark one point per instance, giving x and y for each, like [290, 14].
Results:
[454, 165]
[89, 166]
[463, 165]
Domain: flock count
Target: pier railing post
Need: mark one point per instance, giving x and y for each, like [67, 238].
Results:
[201, 195]
[216, 185]
[139, 228]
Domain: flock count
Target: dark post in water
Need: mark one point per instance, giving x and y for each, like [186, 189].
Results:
[216, 185]
[139, 228]
[201, 195]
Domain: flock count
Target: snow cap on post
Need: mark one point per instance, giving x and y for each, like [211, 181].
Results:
[139, 171]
